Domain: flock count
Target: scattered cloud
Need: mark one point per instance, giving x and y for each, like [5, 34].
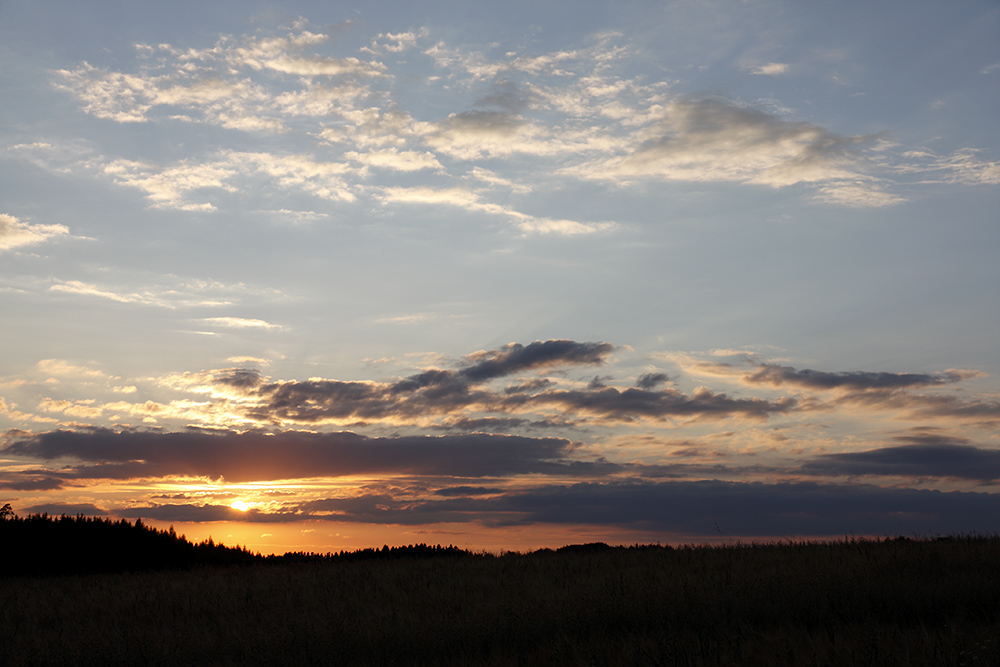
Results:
[854, 381]
[15, 233]
[962, 167]
[249, 360]
[565, 109]
[240, 323]
[64, 368]
[181, 294]
[714, 140]
[651, 380]
[770, 69]
[436, 394]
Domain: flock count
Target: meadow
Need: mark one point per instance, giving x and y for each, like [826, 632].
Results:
[852, 602]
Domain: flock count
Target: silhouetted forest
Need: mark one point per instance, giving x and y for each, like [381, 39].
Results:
[39, 544]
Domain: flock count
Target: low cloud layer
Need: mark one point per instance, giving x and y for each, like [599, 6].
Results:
[724, 509]
[252, 456]
[930, 460]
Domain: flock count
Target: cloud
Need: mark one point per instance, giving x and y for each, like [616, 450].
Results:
[170, 187]
[287, 55]
[770, 69]
[699, 508]
[434, 394]
[471, 201]
[249, 360]
[176, 296]
[962, 167]
[391, 158]
[681, 509]
[651, 380]
[741, 509]
[471, 135]
[61, 367]
[941, 459]
[176, 186]
[475, 134]
[388, 42]
[82, 409]
[918, 394]
[983, 410]
[514, 358]
[15, 233]
[777, 376]
[256, 456]
[11, 411]
[714, 140]
[241, 323]
[214, 85]
[858, 194]
[183, 512]
[627, 405]
[29, 481]
[68, 509]
[568, 111]
[881, 390]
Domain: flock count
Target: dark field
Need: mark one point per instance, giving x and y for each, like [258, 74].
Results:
[856, 602]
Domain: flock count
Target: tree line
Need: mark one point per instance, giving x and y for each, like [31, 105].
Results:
[39, 544]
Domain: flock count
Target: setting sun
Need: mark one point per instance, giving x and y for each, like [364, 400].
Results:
[240, 505]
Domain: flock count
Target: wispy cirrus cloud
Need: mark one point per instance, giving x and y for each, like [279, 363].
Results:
[197, 294]
[471, 200]
[65, 368]
[963, 167]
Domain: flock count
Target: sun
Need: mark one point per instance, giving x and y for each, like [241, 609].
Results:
[239, 505]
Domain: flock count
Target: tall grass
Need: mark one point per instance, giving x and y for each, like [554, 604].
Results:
[854, 602]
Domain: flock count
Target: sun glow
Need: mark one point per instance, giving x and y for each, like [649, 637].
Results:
[239, 505]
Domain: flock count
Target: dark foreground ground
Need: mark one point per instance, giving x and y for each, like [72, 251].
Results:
[891, 602]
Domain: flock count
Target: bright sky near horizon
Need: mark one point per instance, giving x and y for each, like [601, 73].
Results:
[313, 276]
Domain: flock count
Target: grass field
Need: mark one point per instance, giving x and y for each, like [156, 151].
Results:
[854, 602]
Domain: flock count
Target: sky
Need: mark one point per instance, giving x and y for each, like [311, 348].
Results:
[312, 276]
